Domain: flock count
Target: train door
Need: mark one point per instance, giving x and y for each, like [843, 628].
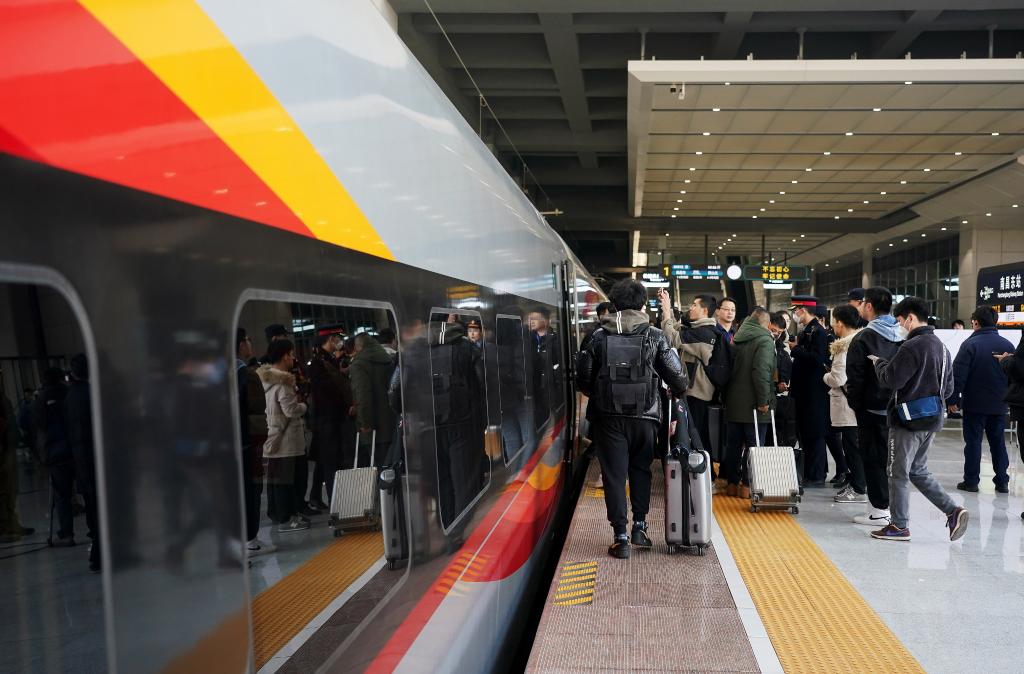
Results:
[570, 345]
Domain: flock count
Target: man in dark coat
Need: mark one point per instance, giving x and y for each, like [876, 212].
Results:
[51, 435]
[544, 348]
[370, 373]
[810, 363]
[625, 407]
[78, 411]
[979, 390]
[333, 431]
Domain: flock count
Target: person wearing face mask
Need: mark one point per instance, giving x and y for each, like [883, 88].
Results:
[920, 376]
[810, 362]
[869, 400]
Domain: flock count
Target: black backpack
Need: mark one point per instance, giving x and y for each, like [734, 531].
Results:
[719, 367]
[626, 382]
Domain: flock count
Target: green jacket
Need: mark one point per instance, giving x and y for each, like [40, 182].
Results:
[370, 373]
[753, 373]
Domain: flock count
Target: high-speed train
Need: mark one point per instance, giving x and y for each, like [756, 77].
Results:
[176, 169]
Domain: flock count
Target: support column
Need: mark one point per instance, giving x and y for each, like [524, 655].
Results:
[980, 248]
[867, 266]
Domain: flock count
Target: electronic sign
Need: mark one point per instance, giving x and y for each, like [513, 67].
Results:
[687, 272]
[1002, 288]
[776, 272]
[652, 279]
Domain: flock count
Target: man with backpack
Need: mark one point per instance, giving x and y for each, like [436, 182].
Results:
[705, 353]
[621, 372]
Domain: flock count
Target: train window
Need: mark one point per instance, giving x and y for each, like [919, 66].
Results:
[318, 421]
[516, 408]
[459, 394]
[50, 561]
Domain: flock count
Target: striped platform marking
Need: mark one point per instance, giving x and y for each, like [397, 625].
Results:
[808, 607]
[280, 612]
[576, 584]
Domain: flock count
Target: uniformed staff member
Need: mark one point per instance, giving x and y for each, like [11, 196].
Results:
[810, 363]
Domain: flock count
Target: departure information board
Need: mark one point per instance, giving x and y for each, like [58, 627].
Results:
[686, 272]
[1002, 288]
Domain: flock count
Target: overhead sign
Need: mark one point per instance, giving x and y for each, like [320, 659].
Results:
[652, 279]
[1002, 287]
[778, 285]
[776, 272]
[711, 272]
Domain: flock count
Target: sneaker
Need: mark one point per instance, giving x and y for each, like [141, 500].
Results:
[849, 495]
[843, 483]
[294, 524]
[620, 548]
[743, 491]
[304, 518]
[873, 517]
[957, 523]
[256, 547]
[66, 542]
[891, 532]
[640, 538]
[837, 478]
[963, 486]
[1002, 489]
[319, 505]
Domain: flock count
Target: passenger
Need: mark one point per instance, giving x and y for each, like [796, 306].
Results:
[51, 434]
[855, 299]
[25, 416]
[695, 338]
[11, 528]
[333, 442]
[920, 370]
[475, 333]
[78, 413]
[620, 373]
[869, 400]
[286, 437]
[389, 341]
[544, 345]
[252, 452]
[1013, 366]
[810, 361]
[841, 416]
[979, 391]
[958, 325]
[602, 310]
[725, 314]
[785, 410]
[516, 427]
[833, 438]
[370, 373]
[750, 388]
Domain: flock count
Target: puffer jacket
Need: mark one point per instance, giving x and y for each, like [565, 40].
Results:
[840, 412]
[979, 383]
[881, 339]
[286, 431]
[659, 357]
[695, 341]
[753, 373]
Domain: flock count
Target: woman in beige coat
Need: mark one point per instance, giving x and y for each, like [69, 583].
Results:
[286, 436]
[844, 421]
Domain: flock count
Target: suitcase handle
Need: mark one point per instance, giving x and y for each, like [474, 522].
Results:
[373, 449]
[775, 432]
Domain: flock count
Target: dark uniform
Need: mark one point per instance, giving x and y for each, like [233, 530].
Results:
[810, 363]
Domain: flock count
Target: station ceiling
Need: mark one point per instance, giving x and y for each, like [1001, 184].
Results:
[555, 74]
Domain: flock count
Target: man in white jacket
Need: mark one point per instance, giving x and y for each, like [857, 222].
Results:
[845, 320]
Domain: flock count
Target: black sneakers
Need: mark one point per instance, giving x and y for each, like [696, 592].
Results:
[1002, 488]
[640, 537]
[963, 486]
[620, 548]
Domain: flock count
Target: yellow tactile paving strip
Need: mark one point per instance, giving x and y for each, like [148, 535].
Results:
[816, 620]
[279, 613]
[576, 584]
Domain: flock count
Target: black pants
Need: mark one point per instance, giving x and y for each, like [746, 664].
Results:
[286, 479]
[816, 463]
[62, 479]
[625, 448]
[699, 417]
[873, 440]
[847, 435]
[252, 491]
[834, 442]
[301, 481]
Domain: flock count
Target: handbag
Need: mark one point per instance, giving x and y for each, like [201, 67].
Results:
[918, 414]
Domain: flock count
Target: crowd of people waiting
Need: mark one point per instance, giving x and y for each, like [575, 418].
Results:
[868, 382]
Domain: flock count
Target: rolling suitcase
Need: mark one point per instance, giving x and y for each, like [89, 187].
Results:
[354, 498]
[687, 487]
[392, 514]
[772, 475]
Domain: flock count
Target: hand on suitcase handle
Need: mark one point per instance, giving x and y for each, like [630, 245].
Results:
[775, 432]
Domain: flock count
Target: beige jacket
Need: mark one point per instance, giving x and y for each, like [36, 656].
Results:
[840, 412]
[286, 430]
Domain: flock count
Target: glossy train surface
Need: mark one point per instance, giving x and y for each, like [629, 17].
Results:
[162, 163]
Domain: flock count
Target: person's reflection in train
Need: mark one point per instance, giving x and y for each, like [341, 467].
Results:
[459, 416]
[371, 372]
[474, 333]
[516, 426]
[544, 346]
[332, 399]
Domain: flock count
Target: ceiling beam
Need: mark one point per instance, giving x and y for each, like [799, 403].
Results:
[727, 41]
[564, 52]
[895, 44]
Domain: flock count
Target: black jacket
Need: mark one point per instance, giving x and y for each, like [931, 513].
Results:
[916, 371]
[862, 389]
[783, 361]
[658, 355]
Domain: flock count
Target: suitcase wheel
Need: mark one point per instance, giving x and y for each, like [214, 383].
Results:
[702, 550]
[337, 533]
[795, 510]
[671, 549]
[754, 508]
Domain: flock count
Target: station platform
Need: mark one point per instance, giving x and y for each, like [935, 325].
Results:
[806, 593]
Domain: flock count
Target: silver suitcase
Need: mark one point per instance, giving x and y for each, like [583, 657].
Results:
[392, 515]
[772, 475]
[354, 499]
[687, 492]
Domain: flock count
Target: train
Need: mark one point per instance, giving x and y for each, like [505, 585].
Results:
[176, 170]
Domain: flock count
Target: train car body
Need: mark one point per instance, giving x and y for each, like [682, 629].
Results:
[164, 163]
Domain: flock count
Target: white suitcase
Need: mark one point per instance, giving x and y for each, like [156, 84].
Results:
[772, 475]
[687, 489]
[354, 500]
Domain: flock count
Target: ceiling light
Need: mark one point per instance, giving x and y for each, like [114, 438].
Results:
[682, 191]
[890, 245]
[719, 248]
[878, 249]
[849, 133]
[927, 170]
[693, 168]
[958, 154]
[1016, 206]
[943, 229]
[794, 240]
[781, 192]
[716, 109]
[908, 82]
[698, 153]
[679, 201]
[734, 235]
[988, 215]
[963, 222]
[995, 133]
[754, 217]
[687, 181]
[728, 83]
[666, 233]
[835, 216]
[771, 201]
[903, 182]
[826, 264]
[802, 235]
[876, 109]
[793, 181]
[706, 133]
[849, 210]
[762, 210]
[826, 153]
[883, 193]
[904, 240]
[673, 215]
[675, 208]
[866, 201]
[923, 235]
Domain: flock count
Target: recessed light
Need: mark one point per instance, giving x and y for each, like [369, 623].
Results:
[734, 235]
[866, 201]
[878, 249]
[876, 109]
[693, 168]
[903, 182]
[834, 216]
[995, 133]
[802, 235]
[890, 245]
[905, 240]
[698, 153]
[728, 83]
[771, 201]
[943, 229]
[849, 210]
[826, 264]
[675, 208]
[682, 191]
[923, 235]
[808, 169]
[679, 201]
[673, 215]
[908, 82]
[1016, 206]
[927, 170]
[719, 248]
[687, 181]
[716, 109]
[794, 240]
[883, 193]
[963, 222]
[706, 133]
[793, 181]
[781, 192]
[754, 217]
[849, 133]
[988, 215]
[762, 210]
[958, 154]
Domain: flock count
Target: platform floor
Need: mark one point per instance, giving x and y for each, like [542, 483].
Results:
[928, 604]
